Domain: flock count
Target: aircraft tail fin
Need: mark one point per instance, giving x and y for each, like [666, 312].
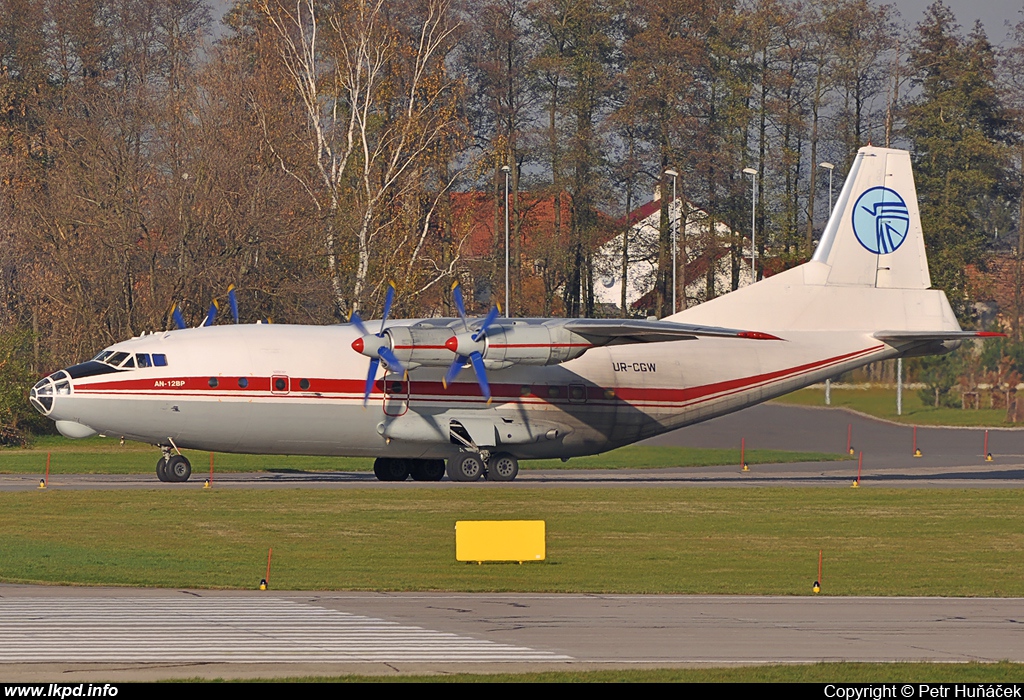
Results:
[873, 237]
[868, 273]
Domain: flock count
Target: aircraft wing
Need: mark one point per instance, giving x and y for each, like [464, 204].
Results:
[600, 331]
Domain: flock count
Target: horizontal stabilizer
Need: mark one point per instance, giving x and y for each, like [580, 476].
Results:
[919, 336]
[601, 331]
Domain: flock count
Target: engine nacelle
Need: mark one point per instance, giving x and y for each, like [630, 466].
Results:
[420, 345]
[523, 343]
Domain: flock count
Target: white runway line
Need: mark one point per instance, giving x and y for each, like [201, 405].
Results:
[233, 630]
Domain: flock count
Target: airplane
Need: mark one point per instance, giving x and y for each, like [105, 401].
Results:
[470, 398]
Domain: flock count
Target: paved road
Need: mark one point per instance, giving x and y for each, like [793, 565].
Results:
[69, 634]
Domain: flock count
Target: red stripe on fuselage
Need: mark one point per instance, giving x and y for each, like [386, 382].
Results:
[461, 391]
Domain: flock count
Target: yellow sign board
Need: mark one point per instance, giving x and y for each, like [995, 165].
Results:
[499, 540]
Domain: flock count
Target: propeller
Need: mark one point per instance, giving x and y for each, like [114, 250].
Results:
[233, 301]
[376, 346]
[469, 347]
[179, 320]
[212, 314]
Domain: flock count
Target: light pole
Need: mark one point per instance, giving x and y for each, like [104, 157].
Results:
[753, 225]
[675, 233]
[508, 309]
[829, 167]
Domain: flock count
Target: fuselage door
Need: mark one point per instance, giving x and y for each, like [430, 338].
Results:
[279, 384]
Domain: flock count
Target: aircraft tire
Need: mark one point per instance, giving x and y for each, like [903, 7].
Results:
[426, 469]
[502, 467]
[178, 469]
[388, 469]
[465, 467]
[161, 469]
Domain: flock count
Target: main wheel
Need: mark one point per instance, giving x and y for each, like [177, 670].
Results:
[161, 469]
[387, 469]
[502, 467]
[178, 469]
[465, 467]
[426, 469]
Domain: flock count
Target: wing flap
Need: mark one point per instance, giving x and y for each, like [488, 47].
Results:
[601, 331]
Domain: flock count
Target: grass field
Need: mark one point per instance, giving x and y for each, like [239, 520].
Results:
[881, 403]
[105, 456]
[730, 541]
[804, 673]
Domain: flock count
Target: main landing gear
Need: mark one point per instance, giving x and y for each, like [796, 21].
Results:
[465, 466]
[171, 467]
[471, 466]
[390, 469]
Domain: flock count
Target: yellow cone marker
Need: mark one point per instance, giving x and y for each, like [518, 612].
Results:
[817, 587]
[263, 584]
[42, 484]
[855, 484]
[745, 467]
[988, 457]
[917, 453]
[206, 484]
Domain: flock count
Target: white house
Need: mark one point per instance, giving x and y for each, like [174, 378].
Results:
[642, 239]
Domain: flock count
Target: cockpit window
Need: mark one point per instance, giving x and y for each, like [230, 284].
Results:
[102, 355]
[142, 360]
[116, 359]
[159, 360]
[129, 363]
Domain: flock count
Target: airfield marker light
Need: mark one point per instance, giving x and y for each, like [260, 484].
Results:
[849, 438]
[917, 451]
[743, 451]
[988, 455]
[860, 463]
[42, 484]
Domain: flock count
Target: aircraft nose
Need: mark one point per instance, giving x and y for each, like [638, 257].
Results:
[46, 390]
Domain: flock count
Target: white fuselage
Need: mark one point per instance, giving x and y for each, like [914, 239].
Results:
[301, 392]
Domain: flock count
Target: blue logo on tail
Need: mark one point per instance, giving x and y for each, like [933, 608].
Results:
[881, 220]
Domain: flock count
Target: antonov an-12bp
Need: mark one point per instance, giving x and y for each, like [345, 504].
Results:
[473, 397]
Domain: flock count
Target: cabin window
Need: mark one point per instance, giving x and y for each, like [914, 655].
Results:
[213, 382]
[304, 384]
[242, 382]
[280, 384]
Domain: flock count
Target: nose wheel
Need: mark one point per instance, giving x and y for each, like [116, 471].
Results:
[174, 469]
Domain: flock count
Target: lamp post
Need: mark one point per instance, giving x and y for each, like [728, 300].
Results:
[675, 233]
[829, 167]
[753, 225]
[508, 309]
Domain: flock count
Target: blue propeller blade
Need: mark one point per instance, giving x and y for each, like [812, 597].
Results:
[460, 303]
[233, 302]
[493, 314]
[481, 374]
[454, 370]
[371, 375]
[389, 299]
[179, 321]
[212, 315]
[394, 364]
[358, 323]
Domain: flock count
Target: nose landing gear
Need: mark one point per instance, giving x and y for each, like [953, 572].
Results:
[173, 468]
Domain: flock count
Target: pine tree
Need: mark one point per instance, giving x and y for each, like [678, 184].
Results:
[958, 129]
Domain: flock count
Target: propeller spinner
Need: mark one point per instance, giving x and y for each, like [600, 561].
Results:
[377, 346]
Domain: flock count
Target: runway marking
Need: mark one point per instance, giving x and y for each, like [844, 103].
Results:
[230, 630]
